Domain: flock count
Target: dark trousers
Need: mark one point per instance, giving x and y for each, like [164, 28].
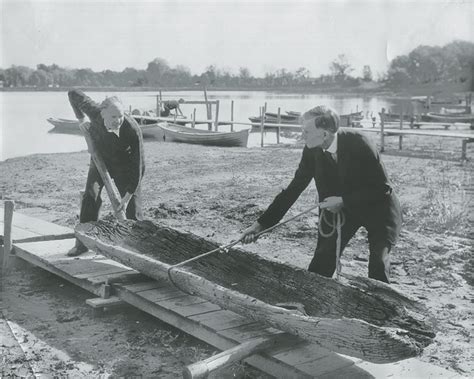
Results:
[91, 201]
[324, 260]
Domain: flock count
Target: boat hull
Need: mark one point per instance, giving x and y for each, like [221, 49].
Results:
[361, 317]
[183, 134]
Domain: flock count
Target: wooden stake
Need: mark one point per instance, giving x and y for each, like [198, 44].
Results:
[112, 191]
[7, 233]
[262, 126]
[278, 122]
[193, 124]
[400, 137]
[208, 110]
[232, 116]
[382, 136]
[216, 123]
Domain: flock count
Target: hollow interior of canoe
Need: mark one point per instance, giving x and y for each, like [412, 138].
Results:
[238, 270]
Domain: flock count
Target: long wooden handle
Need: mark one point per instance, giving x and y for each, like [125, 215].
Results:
[112, 191]
[203, 368]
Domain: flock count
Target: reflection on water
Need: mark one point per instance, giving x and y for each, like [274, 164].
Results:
[24, 129]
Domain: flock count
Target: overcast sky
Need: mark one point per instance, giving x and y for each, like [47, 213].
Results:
[260, 35]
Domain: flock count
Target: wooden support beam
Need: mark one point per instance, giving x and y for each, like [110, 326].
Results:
[9, 206]
[203, 368]
[112, 191]
[99, 302]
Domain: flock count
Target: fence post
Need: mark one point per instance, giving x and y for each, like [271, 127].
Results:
[382, 136]
[278, 122]
[216, 123]
[400, 137]
[7, 234]
[232, 116]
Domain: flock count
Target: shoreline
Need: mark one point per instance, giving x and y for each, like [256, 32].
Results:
[398, 92]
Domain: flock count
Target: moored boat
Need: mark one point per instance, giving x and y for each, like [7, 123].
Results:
[442, 117]
[356, 316]
[65, 126]
[179, 133]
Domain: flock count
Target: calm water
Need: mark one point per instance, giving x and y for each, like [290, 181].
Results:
[24, 129]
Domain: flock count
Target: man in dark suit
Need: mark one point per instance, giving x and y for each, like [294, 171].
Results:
[350, 177]
[118, 140]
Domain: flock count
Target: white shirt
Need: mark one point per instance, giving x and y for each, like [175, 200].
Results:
[333, 148]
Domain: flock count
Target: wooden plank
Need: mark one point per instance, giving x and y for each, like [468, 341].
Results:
[267, 364]
[37, 226]
[351, 372]
[143, 286]
[305, 352]
[221, 319]
[433, 133]
[195, 306]
[163, 293]
[18, 233]
[242, 333]
[32, 253]
[99, 302]
[326, 365]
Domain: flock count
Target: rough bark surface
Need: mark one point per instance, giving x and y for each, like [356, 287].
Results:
[358, 316]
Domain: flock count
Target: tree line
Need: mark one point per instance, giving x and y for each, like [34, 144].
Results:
[452, 63]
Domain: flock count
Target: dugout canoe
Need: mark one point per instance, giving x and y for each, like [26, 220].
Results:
[184, 134]
[359, 317]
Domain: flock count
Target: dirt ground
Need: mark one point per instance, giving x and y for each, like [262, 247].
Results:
[216, 193]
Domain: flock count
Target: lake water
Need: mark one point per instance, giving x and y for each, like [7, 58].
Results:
[24, 129]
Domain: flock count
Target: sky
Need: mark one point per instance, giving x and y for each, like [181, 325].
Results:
[263, 36]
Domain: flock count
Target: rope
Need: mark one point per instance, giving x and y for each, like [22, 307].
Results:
[225, 248]
[338, 219]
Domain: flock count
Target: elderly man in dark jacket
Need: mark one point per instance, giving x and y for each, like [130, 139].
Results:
[118, 140]
[349, 176]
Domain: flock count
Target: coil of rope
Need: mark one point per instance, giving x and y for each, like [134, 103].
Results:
[335, 225]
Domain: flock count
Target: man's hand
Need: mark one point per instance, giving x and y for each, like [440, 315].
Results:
[332, 204]
[124, 202]
[249, 235]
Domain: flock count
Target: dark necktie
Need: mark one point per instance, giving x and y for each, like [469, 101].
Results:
[330, 158]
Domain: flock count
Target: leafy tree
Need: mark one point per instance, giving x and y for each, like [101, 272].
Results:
[340, 67]
[367, 74]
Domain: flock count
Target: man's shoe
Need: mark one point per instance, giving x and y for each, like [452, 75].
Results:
[77, 250]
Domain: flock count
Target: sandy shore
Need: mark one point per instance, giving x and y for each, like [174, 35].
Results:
[216, 193]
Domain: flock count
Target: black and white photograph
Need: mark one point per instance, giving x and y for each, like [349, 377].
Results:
[236, 189]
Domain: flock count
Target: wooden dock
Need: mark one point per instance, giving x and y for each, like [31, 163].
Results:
[113, 283]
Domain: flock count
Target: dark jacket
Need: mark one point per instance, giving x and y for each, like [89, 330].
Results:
[123, 155]
[359, 178]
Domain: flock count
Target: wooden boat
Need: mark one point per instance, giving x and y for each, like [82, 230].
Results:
[64, 126]
[349, 119]
[394, 117]
[358, 316]
[441, 117]
[179, 133]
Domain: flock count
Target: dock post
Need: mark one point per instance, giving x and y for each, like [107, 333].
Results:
[382, 136]
[262, 122]
[278, 122]
[400, 137]
[216, 123]
[158, 106]
[7, 234]
[208, 110]
[194, 118]
[232, 116]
